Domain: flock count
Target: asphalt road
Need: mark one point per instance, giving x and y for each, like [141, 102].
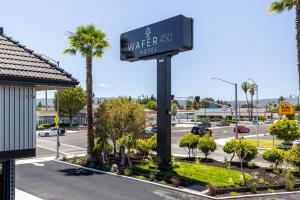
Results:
[57, 181]
[75, 143]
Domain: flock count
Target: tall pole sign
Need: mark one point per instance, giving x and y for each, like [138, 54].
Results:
[160, 41]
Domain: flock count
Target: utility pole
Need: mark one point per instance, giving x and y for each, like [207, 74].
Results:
[236, 104]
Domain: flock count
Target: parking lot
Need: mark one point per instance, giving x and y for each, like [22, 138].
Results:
[75, 143]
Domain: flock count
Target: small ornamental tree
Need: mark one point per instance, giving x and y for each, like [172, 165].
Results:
[292, 156]
[190, 142]
[207, 145]
[275, 156]
[285, 129]
[242, 146]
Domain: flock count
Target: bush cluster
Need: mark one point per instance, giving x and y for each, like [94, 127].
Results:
[205, 144]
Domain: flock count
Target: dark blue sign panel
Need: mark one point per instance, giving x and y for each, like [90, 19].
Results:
[168, 36]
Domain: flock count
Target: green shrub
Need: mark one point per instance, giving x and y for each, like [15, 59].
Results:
[140, 177]
[289, 185]
[127, 172]
[292, 156]
[207, 145]
[285, 129]
[242, 148]
[189, 141]
[152, 142]
[271, 190]
[275, 156]
[234, 193]
[163, 182]
[142, 147]
[253, 188]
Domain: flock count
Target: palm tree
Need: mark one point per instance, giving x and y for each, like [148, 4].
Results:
[280, 100]
[245, 88]
[281, 5]
[252, 92]
[89, 42]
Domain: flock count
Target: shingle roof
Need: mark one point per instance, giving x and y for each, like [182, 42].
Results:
[20, 64]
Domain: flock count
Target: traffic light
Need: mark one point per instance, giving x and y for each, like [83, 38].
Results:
[197, 98]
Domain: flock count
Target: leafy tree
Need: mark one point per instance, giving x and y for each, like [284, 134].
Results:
[189, 141]
[247, 150]
[120, 116]
[89, 42]
[151, 104]
[40, 104]
[126, 143]
[285, 129]
[292, 156]
[174, 108]
[275, 156]
[71, 101]
[207, 145]
[281, 5]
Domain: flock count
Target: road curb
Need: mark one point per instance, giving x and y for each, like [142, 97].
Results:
[188, 191]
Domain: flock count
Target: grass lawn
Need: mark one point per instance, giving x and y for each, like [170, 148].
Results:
[265, 143]
[201, 172]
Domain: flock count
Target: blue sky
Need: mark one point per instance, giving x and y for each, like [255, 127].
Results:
[233, 40]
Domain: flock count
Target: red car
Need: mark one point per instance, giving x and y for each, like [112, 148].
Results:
[242, 129]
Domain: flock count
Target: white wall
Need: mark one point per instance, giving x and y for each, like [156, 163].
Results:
[17, 118]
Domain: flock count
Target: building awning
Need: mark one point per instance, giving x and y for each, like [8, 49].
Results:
[22, 66]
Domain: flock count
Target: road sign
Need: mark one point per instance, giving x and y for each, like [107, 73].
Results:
[56, 119]
[172, 35]
[160, 41]
[286, 108]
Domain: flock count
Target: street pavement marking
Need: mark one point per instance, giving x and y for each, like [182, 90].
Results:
[34, 160]
[21, 195]
[222, 141]
[68, 145]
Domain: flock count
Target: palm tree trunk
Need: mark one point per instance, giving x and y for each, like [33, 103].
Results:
[251, 107]
[89, 91]
[247, 102]
[298, 39]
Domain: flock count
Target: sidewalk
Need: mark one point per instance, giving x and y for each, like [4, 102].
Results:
[20, 195]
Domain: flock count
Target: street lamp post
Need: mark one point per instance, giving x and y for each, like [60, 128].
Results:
[57, 110]
[257, 103]
[236, 103]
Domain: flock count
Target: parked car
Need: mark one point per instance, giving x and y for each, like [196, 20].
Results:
[205, 124]
[201, 130]
[147, 134]
[154, 129]
[51, 132]
[242, 129]
[223, 123]
[296, 143]
[268, 121]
